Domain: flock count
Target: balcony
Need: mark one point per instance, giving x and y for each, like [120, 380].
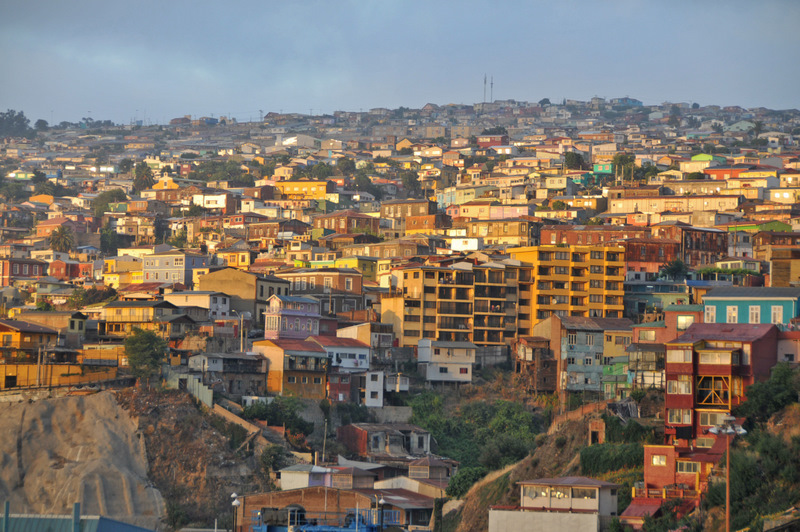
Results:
[495, 292]
[455, 308]
[461, 324]
[489, 322]
[462, 294]
[490, 307]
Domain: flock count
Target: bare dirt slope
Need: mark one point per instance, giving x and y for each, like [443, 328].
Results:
[85, 449]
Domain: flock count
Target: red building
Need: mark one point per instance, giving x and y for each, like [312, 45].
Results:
[14, 269]
[708, 370]
[347, 221]
[590, 234]
[699, 246]
[486, 141]
[648, 254]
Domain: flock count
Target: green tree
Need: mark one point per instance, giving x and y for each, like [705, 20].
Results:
[145, 351]
[143, 177]
[544, 101]
[345, 165]
[674, 116]
[125, 165]
[675, 270]
[497, 130]
[758, 128]
[110, 241]
[62, 239]
[559, 205]
[100, 203]
[41, 125]
[766, 398]
[573, 161]
[410, 182]
[717, 127]
[15, 124]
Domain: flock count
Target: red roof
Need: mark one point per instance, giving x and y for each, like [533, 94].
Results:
[335, 341]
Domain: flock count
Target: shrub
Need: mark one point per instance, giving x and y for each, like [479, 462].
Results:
[561, 441]
[601, 458]
[463, 480]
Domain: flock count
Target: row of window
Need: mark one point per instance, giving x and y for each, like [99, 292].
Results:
[291, 379]
[732, 314]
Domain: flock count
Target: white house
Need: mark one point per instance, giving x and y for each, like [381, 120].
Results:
[217, 303]
[345, 354]
[446, 361]
[566, 503]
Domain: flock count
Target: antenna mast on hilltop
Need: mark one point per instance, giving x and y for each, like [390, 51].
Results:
[484, 88]
[491, 90]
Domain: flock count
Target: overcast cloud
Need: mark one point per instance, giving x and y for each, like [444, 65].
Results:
[159, 60]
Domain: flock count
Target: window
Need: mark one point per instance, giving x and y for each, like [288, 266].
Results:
[442, 369]
[647, 336]
[572, 338]
[589, 339]
[373, 377]
[327, 283]
[684, 322]
[584, 493]
[688, 467]
[291, 379]
[711, 419]
[777, 314]
[681, 416]
[317, 380]
[711, 314]
[587, 361]
[622, 340]
[305, 380]
[312, 283]
[373, 395]
[659, 460]
[464, 371]
[755, 314]
[680, 356]
[532, 492]
[683, 385]
[704, 442]
[732, 315]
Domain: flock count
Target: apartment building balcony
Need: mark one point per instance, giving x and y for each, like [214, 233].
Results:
[493, 306]
[525, 276]
[454, 336]
[579, 272]
[482, 277]
[456, 278]
[488, 337]
[489, 322]
[459, 324]
[454, 308]
[493, 292]
[448, 293]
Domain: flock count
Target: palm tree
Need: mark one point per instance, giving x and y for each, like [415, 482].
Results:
[62, 239]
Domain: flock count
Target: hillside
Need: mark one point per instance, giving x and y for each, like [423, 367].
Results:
[554, 456]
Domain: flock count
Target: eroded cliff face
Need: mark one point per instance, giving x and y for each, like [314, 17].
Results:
[146, 457]
[87, 449]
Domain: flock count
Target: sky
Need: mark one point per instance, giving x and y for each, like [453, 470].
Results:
[157, 60]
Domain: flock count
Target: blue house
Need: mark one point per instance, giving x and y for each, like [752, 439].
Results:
[742, 304]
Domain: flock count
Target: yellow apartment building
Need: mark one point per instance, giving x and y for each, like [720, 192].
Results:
[570, 281]
[461, 303]
[305, 189]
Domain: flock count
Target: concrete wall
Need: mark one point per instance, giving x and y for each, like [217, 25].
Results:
[505, 520]
[392, 414]
[193, 385]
